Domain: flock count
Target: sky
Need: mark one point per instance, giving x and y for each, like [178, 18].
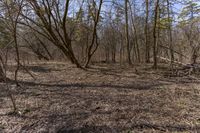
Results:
[177, 7]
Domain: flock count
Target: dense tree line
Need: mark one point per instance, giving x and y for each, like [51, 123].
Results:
[84, 31]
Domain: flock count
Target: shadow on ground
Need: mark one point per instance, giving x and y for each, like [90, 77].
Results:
[135, 102]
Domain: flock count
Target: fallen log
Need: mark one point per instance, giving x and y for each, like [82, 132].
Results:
[183, 69]
[174, 51]
[168, 60]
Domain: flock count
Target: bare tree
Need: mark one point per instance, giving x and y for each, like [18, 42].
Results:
[52, 24]
[92, 48]
[13, 10]
[3, 78]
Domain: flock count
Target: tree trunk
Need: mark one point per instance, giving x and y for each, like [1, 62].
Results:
[127, 33]
[155, 41]
[1, 74]
[135, 40]
[147, 52]
[121, 49]
[113, 54]
[194, 55]
[170, 34]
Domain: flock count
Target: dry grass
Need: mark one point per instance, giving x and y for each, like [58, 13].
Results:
[106, 98]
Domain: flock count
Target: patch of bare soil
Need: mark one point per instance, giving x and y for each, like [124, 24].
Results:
[106, 98]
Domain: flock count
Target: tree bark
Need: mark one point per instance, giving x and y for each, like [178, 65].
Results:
[135, 40]
[170, 34]
[127, 33]
[155, 41]
[147, 51]
[1, 74]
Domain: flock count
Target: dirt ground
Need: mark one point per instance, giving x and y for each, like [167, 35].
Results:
[103, 99]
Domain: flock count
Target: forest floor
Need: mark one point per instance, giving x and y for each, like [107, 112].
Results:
[105, 98]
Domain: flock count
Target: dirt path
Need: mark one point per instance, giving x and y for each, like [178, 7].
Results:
[102, 99]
